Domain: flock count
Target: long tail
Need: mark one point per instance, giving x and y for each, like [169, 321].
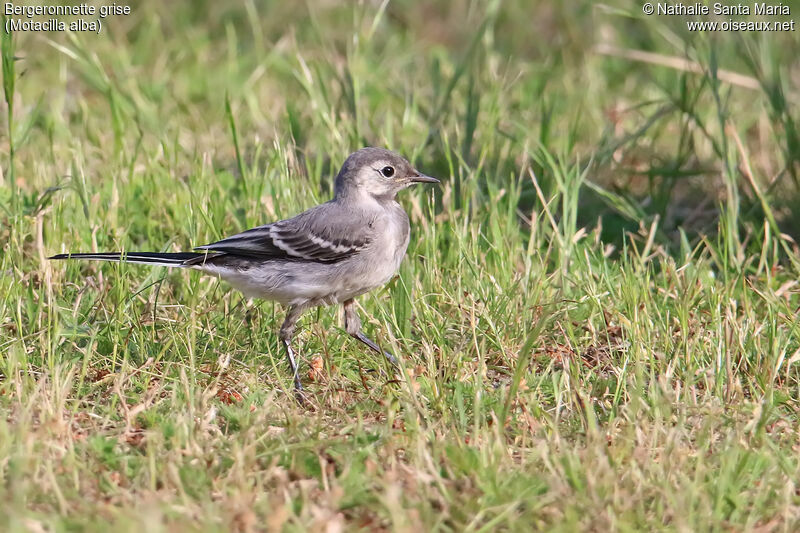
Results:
[182, 259]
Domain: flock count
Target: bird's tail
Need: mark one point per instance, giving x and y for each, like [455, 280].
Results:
[182, 259]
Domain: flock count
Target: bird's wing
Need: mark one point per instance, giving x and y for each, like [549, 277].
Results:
[323, 234]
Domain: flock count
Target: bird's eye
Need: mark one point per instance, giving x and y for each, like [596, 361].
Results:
[387, 171]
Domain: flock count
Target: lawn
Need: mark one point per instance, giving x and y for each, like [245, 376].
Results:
[597, 319]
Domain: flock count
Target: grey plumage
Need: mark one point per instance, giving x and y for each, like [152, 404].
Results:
[327, 255]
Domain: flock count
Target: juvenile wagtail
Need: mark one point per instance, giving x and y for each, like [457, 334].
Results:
[327, 255]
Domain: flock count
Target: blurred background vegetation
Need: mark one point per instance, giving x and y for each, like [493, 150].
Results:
[638, 102]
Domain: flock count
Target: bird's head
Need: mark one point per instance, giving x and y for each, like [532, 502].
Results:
[377, 172]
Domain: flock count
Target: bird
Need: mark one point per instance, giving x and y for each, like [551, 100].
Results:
[328, 255]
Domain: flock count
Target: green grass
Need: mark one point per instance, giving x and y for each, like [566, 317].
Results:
[597, 317]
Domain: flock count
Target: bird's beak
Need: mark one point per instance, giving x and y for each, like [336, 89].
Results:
[422, 178]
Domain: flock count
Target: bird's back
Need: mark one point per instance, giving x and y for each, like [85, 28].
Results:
[326, 255]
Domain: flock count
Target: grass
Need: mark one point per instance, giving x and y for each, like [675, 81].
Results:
[597, 317]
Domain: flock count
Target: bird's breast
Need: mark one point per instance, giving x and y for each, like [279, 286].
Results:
[381, 260]
[398, 231]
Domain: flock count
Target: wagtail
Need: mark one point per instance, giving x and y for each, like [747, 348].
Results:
[327, 255]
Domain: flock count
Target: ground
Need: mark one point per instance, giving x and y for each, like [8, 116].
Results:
[596, 318]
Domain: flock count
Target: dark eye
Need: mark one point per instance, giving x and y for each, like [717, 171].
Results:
[387, 171]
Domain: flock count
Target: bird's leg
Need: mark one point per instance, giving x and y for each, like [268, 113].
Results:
[352, 324]
[286, 334]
